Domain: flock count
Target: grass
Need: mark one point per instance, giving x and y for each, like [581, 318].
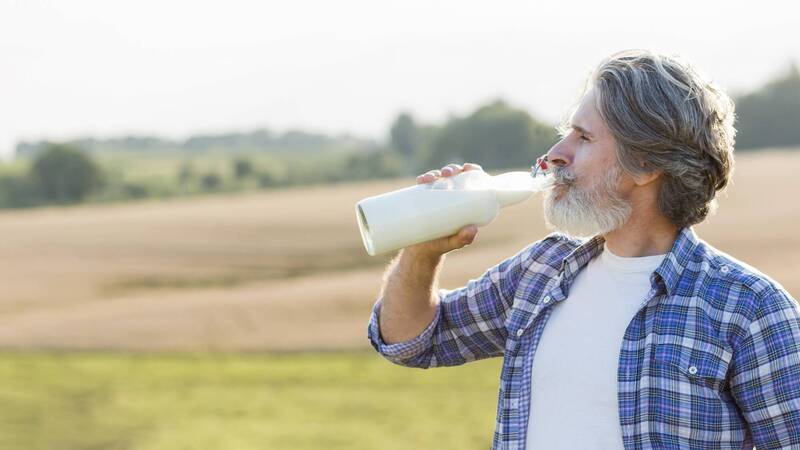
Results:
[235, 401]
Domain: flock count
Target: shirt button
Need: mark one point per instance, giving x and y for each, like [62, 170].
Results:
[692, 370]
[547, 299]
[725, 269]
[519, 332]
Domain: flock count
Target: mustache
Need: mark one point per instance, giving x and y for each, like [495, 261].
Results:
[562, 176]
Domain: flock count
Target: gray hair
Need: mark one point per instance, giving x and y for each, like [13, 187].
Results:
[665, 117]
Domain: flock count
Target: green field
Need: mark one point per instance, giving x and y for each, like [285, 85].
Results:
[348, 400]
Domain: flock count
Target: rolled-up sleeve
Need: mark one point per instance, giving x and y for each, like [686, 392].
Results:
[469, 322]
[766, 378]
[402, 351]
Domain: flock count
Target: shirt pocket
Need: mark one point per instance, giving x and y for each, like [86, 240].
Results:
[704, 365]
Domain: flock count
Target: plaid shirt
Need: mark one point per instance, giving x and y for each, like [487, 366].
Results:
[710, 360]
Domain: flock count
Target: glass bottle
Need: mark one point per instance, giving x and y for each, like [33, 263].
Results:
[424, 212]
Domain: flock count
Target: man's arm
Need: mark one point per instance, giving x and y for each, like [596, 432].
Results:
[466, 324]
[409, 293]
[766, 373]
[409, 284]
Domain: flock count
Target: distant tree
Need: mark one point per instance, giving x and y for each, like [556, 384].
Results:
[19, 191]
[266, 180]
[210, 181]
[300, 139]
[65, 174]
[770, 116]
[242, 168]
[376, 164]
[428, 136]
[405, 139]
[496, 136]
[185, 173]
[135, 190]
[404, 135]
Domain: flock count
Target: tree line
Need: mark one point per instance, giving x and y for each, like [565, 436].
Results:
[770, 116]
[261, 139]
[497, 135]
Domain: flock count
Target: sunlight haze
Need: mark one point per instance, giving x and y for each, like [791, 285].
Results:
[98, 68]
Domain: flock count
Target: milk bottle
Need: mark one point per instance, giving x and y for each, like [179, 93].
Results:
[420, 213]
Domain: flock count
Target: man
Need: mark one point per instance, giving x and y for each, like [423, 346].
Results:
[641, 336]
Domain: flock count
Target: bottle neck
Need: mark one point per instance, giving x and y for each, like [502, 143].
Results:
[506, 197]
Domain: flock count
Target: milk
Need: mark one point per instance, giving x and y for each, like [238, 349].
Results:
[424, 212]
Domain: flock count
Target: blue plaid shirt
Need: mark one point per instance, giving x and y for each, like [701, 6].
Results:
[710, 360]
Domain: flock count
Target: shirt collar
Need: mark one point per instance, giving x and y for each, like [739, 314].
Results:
[666, 275]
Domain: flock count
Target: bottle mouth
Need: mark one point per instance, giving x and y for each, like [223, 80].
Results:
[363, 227]
[543, 172]
[542, 167]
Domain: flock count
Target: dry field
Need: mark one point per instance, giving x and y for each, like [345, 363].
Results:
[285, 270]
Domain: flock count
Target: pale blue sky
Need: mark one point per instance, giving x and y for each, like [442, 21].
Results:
[104, 67]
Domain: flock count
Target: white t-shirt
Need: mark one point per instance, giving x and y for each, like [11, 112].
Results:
[574, 377]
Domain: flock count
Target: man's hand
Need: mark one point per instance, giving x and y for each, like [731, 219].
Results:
[465, 236]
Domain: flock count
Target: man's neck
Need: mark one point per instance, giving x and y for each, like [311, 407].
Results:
[642, 237]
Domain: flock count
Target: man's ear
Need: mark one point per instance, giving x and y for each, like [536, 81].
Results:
[646, 177]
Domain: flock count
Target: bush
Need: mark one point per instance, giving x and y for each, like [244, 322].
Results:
[210, 181]
[19, 191]
[242, 168]
[135, 190]
[64, 174]
[266, 180]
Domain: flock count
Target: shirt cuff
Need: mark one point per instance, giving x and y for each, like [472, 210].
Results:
[402, 351]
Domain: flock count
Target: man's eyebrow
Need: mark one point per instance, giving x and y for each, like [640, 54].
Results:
[581, 129]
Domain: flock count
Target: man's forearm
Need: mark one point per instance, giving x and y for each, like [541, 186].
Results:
[409, 296]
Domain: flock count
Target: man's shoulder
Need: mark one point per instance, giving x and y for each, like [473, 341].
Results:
[733, 270]
[726, 279]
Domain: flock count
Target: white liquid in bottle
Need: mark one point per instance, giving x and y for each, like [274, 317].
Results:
[428, 211]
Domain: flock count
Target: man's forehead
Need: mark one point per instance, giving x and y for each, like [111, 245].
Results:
[585, 117]
[579, 121]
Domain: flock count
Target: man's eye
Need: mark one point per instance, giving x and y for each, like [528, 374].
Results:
[584, 138]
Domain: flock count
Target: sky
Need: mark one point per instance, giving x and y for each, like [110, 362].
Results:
[71, 68]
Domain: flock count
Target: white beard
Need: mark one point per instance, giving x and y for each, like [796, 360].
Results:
[581, 213]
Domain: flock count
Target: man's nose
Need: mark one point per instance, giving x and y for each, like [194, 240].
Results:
[558, 155]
